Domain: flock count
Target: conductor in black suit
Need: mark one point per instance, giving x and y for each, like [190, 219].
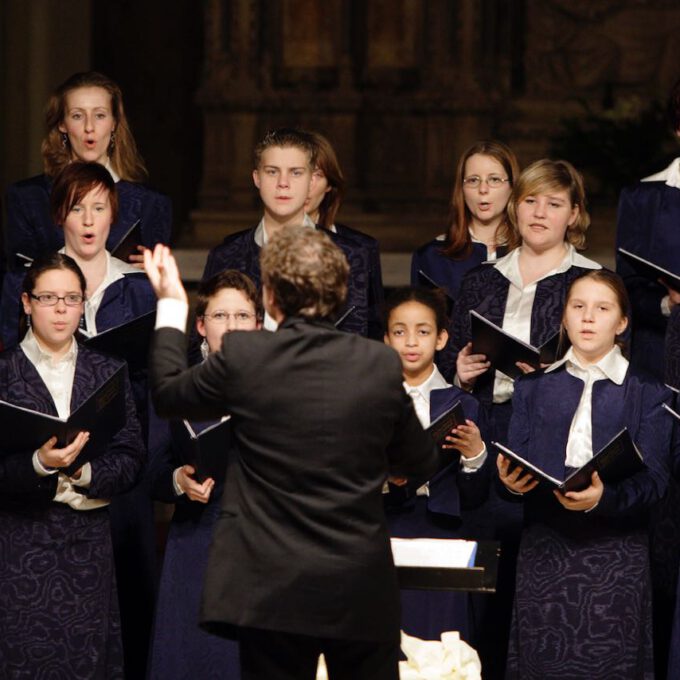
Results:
[300, 562]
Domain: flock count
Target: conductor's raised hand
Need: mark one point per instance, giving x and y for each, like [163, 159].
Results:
[193, 490]
[516, 479]
[163, 273]
[583, 500]
[61, 458]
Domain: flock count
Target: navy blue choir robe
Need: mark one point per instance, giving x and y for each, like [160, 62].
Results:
[59, 613]
[30, 230]
[132, 515]
[446, 271]
[583, 597]
[672, 350]
[179, 648]
[375, 292]
[240, 251]
[673, 646]
[428, 614]
[485, 290]
[648, 225]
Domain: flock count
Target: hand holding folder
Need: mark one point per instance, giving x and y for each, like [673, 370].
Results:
[616, 460]
[101, 415]
[504, 351]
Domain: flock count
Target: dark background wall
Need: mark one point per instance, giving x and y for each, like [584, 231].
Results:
[400, 86]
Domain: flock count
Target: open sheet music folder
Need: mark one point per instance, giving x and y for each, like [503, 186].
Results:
[128, 243]
[128, 341]
[617, 459]
[204, 445]
[650, 270]
[440, 428]
[102, 414]
[504, 350]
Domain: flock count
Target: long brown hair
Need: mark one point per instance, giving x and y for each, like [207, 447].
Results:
[459, 242]
[327, 162]
[125, 159]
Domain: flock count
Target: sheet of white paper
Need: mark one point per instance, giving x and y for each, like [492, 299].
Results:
[447, 553]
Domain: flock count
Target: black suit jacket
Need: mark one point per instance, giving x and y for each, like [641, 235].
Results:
[319, 416]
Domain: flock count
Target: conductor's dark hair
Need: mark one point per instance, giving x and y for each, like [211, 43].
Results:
[230, 278]
[74, 182]
[434, 299]
[287, 137]
[306, 273]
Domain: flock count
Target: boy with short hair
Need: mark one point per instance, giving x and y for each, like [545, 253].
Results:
[284, 162]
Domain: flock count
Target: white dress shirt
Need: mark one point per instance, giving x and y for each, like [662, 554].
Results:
[58, 377]
[115, 269]
[520, 302]
[261, 238]
[669, 175]
[420, 395]
[613, 366]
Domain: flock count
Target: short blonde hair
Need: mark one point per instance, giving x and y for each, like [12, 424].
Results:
[306, 273]
[544, 176]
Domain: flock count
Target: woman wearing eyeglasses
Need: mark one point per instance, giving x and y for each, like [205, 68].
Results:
[227, 302]
[59, 615]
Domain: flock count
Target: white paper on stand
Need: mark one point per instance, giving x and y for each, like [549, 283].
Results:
[446, 553]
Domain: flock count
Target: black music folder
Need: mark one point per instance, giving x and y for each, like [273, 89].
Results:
[128, 243]
[204, 445]
[128, 341]
[102, 414]
[650, 270]
[441, 426]
[503, 350]
[616, 460]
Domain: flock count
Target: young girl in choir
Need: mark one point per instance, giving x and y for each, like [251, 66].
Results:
[227, 302]
[85, 121]
[479, 229]
[583, 601]
[59, 613]
[325, 197]
[415, 320]
[524, 293]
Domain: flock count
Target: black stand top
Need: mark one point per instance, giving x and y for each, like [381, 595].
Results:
[478, 579]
